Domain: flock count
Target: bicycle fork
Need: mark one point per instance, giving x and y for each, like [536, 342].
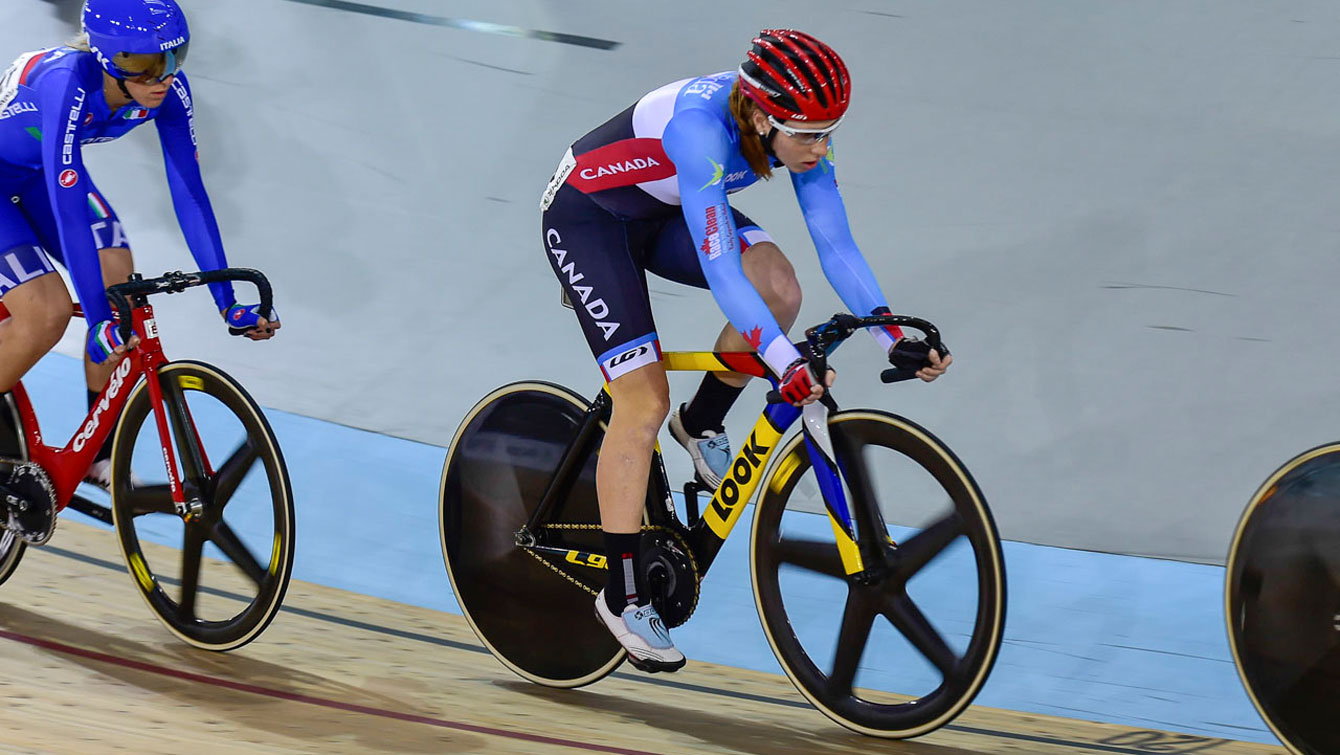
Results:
[170, 409]
[830, 470]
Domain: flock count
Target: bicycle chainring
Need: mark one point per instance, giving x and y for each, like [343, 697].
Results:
[29, 501]
[670, 574]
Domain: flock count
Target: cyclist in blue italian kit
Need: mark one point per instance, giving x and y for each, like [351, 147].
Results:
[647, 191]
[122, 72]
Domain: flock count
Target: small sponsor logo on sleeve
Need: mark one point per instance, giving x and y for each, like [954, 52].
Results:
[718, 172]
[71, 129]
[713, 244]
[68, 178]
[705, 87]
[179, 86]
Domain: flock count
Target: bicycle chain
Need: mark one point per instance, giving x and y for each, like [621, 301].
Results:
[697, 576]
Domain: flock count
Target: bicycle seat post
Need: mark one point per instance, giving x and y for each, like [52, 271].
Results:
[691, 489]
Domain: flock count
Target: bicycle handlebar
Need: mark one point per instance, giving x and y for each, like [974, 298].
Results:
[122, 295]
[824, 338]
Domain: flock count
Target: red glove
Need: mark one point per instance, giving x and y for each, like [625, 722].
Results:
[798, 382]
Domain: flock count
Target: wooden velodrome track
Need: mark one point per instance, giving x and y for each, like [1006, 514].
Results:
[87, 669]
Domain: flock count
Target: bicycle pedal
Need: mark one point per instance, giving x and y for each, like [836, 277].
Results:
[655, 667]
[30, 499]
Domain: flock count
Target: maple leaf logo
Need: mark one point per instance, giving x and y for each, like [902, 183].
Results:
[754, 337]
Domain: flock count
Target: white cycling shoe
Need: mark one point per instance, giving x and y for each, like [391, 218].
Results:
[642, 633]
[100, 475]
[710, 451]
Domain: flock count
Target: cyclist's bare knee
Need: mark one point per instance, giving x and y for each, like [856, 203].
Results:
[775, 280]
[39, 312]
[786, 304]
[641, 400]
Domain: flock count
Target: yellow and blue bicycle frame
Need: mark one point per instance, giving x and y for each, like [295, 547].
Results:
[707, 533]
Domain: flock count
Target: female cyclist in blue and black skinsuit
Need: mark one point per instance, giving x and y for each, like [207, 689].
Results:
[122, 73]
[647, 191]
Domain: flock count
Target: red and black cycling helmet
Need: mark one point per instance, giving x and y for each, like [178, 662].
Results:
[794, 76]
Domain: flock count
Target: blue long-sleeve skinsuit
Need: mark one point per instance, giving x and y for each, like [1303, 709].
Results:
[51, 104]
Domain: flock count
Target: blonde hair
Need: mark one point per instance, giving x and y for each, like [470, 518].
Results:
[751, 143]
[80, 43]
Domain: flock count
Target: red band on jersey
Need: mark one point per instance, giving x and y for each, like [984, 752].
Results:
[23, 77]
[623, 163]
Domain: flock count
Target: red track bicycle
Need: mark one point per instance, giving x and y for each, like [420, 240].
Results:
[206, 473]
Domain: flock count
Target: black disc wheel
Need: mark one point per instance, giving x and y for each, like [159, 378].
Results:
[235, 530]
[1282, 601]
[533, 609]
[900, 647]
[14, 446]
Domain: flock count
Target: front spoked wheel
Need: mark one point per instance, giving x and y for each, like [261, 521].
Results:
[903, 646]
[235, 532]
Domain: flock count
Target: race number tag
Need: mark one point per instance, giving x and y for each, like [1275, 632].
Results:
[565, 167]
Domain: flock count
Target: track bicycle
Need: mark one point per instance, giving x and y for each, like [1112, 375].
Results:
[185, 477]
[522, 543]
[1282, 601]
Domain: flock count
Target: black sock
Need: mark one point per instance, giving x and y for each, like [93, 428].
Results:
[707, 410]
[623, 554]
[106, 451]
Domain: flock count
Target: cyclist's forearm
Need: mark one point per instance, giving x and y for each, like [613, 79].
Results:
[843, 264]
[853, 280]
[195, 214]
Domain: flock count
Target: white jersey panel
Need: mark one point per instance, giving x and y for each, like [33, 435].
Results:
[650, 116]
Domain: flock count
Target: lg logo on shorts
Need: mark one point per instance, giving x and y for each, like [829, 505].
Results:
[68, 178]
[624, 357]
[644, 351]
